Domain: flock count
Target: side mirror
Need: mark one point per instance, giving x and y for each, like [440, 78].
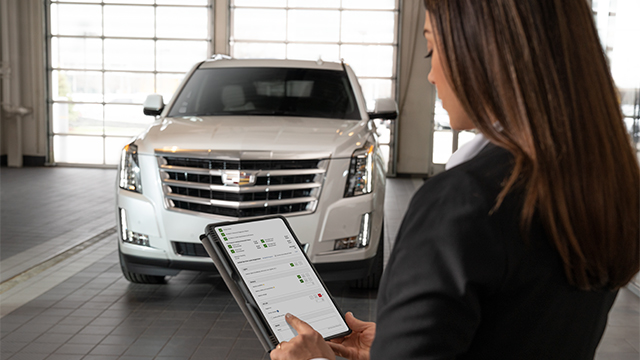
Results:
[386, 108]
[153, 105]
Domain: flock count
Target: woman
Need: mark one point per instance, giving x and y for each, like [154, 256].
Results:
[517, 252]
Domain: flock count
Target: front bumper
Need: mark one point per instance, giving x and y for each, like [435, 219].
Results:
[160, 267]
[341, 271]
[335, 218]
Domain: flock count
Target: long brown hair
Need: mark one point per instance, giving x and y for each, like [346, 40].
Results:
[536, 66]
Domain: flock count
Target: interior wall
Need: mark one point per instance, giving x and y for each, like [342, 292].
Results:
[417, 95]
[3, 149]
[24, 121]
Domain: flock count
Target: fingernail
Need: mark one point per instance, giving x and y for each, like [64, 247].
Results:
[288, 316]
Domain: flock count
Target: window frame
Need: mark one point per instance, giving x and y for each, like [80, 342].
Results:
[51, 133]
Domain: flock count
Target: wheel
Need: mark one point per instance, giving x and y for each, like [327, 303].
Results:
[140, 278]
[372, 280]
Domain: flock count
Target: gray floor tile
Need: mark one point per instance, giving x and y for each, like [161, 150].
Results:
[63, 210]
[180, 347]
[106, 349]
[85, 339]
[240, 353]
[118, 340]
[64, 357]
[40, 348]
[74, 349]
[97, 329]
[19, 337]
[65, 329]
[100, 357]
[12, 347]
[50, 337]
[28, 356]
[616, 356]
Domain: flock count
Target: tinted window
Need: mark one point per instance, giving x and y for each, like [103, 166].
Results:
[268, 92]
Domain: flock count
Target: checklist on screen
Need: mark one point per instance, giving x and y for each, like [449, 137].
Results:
[279, 277]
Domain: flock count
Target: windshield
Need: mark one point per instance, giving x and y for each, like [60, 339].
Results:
[268, 92]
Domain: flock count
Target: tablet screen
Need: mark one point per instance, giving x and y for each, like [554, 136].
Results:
[279, 277]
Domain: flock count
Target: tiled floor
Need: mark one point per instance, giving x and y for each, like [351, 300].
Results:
[77, 305]
[40, 204]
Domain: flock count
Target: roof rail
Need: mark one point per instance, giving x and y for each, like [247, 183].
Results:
[220, 57]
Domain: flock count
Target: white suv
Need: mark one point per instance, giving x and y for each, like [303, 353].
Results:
[250, 138]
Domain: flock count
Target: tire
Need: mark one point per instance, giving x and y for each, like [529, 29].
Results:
[140, 278]
[372, 280]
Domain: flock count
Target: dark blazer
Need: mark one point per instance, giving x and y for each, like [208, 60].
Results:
[463, 283]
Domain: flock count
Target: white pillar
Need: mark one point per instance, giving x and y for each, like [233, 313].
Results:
[221, 23]
[12, 120]
[23, 80]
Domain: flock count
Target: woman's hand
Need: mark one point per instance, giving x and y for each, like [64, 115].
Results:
[356, 345]
[308, 344]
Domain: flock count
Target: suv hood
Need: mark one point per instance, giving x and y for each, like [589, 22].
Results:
[333, 137]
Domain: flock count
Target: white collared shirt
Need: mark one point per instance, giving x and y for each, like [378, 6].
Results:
[467, 151]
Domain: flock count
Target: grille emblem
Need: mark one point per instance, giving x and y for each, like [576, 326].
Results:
[238, 178]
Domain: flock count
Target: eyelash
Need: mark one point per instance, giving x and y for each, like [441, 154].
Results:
[429, 54]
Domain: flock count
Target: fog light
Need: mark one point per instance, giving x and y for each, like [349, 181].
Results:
[360, 241]
[129, 236]
[137, 238]
[347, 243]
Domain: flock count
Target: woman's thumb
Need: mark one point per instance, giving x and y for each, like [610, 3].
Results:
[355, 324]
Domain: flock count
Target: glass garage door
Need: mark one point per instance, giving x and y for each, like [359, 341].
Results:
[105, 58]
[362, 32]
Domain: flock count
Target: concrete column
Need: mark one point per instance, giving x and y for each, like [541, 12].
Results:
[23, 96]
[11, 108]
[221, 24]
[33, 76]
[416, 95]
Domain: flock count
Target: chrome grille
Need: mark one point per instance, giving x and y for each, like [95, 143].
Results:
[272, 186]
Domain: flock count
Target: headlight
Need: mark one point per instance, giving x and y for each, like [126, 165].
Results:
[360, 179]
[130, 169]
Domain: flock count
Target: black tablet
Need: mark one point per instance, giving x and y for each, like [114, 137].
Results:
[272, 275]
